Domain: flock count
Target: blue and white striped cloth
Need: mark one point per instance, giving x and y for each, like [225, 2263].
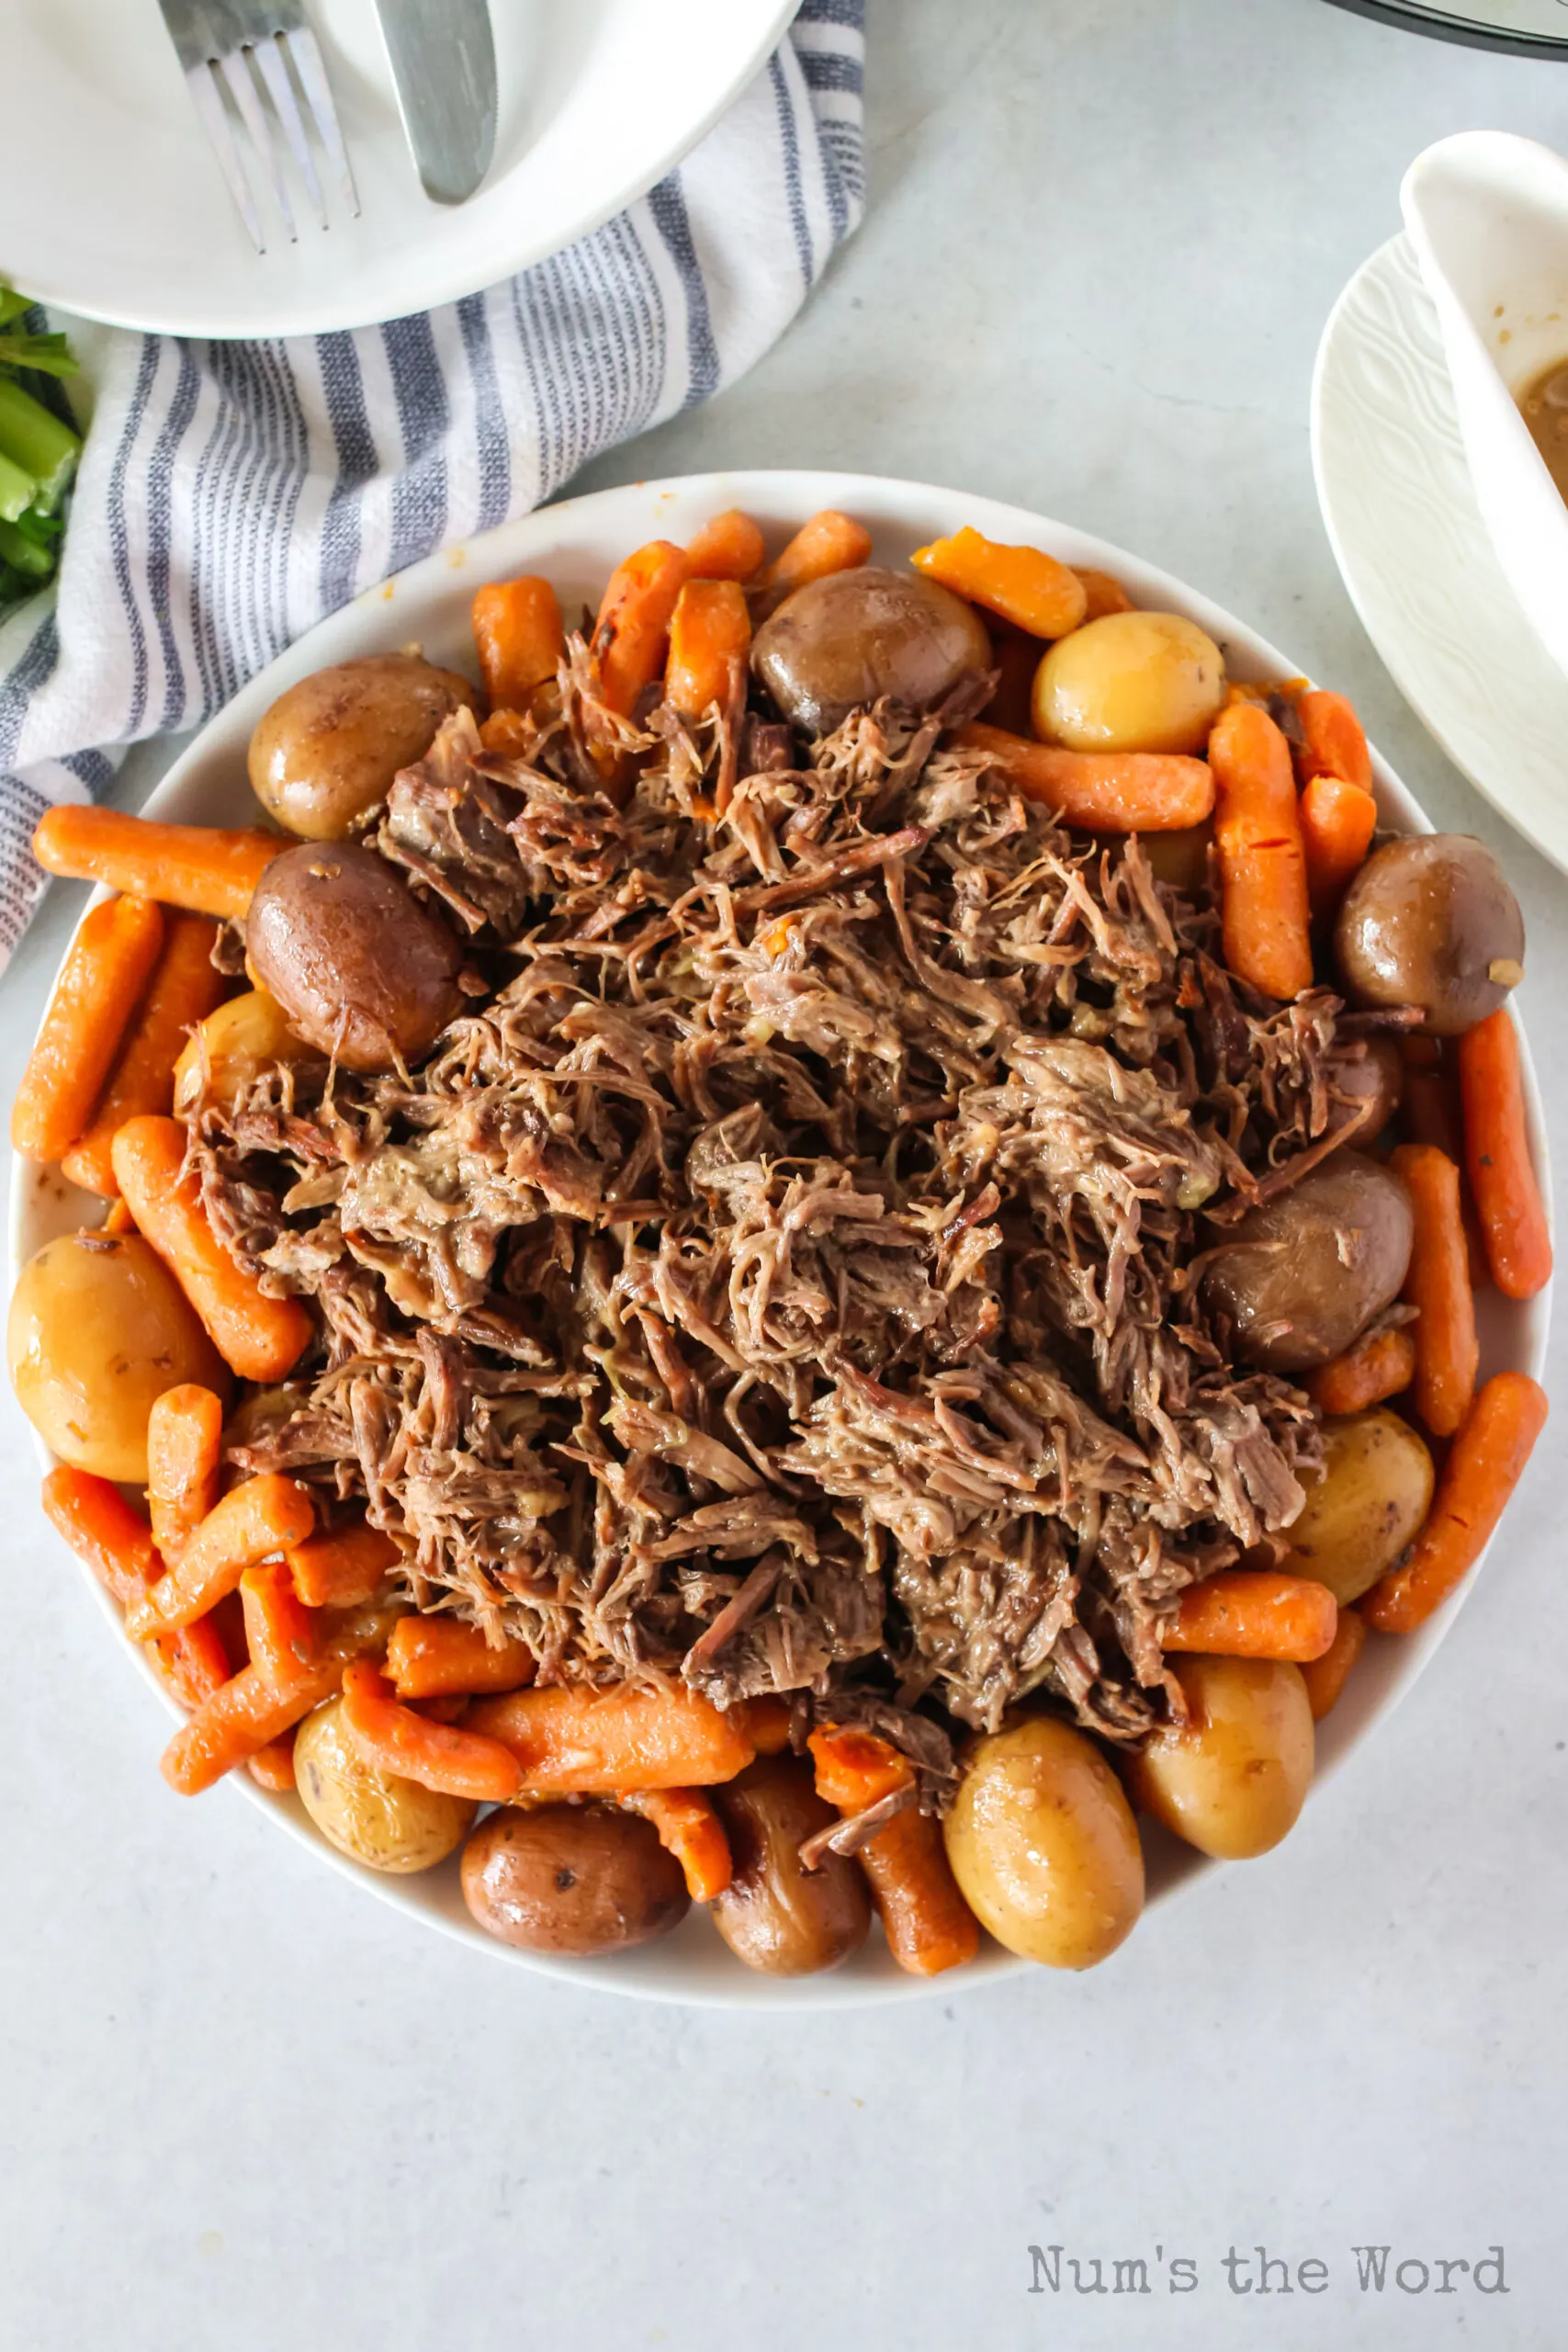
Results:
[232, 494]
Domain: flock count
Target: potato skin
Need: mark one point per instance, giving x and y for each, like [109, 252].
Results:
[1375, 1491]
[98, 1329]
[779, 1918]
[242, 1037]
[1044, 1845]
[575, 1879]
[358, 966]
[840, 643]
[376, 1818]
[1300, 1278]
[1423, 922]
[1130, 682]
[328, 749]
[1233, 1780]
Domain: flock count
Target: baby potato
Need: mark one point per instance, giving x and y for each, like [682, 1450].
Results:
[1375, 1491]
[1233, 1778]
[576, 1879]
[776, 1916]
[374, 1817]
[242, 1037]
[1044, 1845]
[328, 749]
[98, 1329]
[1131, 682]
[360, 966]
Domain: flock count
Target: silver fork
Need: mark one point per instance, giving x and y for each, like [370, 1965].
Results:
[224, 46]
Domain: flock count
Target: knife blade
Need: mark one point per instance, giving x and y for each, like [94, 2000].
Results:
[443, 60]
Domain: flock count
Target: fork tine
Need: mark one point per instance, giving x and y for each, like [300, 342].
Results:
[275, 74]
[235, 70]
[312, 75]
[215, 122]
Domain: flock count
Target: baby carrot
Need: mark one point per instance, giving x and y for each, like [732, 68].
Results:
[855, 1769]
[184, 988]
[1326, 1677]
[433, 1658]
[200, 867]
[258, 1337]
[1102, 593]
[764, 1722]
[1337, 822]
[1254, 1613]
[1024, 585]
[1102, 792]
[689, 1828]
[118, 1218]
[248, 1716]
[263, 1516]
[572, 1740]
[710, 630]
[1448, 1353]
[102, 1530]
[1484, 1464]
[929, 1926]
[633, 627]
[280, 1632]
[1498, 1157]
[519, 638]
[1257, 836]
[727, 548]
[438, 1756]
[273, 1767]
[345, 1566]
[185, 1432]
[1376, 1368]
[1331, 741]
[830, 542]
[109, 964]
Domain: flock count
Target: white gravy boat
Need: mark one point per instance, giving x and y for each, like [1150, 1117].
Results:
[1487, 214]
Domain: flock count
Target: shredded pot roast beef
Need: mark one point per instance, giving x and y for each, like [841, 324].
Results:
[783, 1276]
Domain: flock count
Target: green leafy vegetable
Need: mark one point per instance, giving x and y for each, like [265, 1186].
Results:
[38, 453]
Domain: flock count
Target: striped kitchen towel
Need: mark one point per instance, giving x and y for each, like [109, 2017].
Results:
[230, 493]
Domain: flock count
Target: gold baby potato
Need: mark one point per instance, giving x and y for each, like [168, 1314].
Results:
[242, 1038]
[98, 1329]
[1375, 1491]
[375, 1817]
[1131, 682]
[1044, 1845]
[327, 750]
[1233, 1778]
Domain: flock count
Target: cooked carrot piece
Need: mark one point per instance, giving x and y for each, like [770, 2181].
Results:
[259, 1337]
[709, 632]
[1024, 585]
[573, 1741]
[118, 1218]
[511, 733]
[765, 1723]
[184, 1434]
[346, 1565]
[1257, 836]
[1332, 742]
[929, 1926]
[519, 637]
[102, 1530]
[438, 1756]
[110, 962]
[273, 1767]
[1326, 1677]
[830, 542]
[184, 988]
[1337, 822]
[633, 627]
[1484, 1464]
[689, 1828]
[1254, 1613]
[1497, 1156]
[263, 1516]
[1103, 592]
[433, 1658]
[1375, 1369]
[249, 1714]
[727, 548]
[280, 1632]
[1102, 792]
[199, 867]
[1448, 1353]
[856, 1769]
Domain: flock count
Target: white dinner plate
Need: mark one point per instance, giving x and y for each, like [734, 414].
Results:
[111, 202]
[576, 545]
[1402, 517]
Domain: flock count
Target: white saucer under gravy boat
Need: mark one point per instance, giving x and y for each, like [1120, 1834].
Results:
[1488, 215]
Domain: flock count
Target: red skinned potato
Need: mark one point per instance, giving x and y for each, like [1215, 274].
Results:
[361, 969]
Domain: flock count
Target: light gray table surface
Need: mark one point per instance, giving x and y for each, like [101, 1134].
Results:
[242, 2105]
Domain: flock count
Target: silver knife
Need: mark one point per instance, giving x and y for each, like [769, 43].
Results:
[443, 58]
